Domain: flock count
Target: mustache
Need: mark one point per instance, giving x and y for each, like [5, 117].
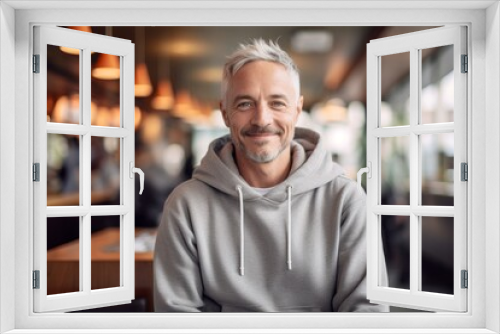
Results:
[258, 130]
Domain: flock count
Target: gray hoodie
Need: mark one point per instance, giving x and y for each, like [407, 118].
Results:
[222, 246]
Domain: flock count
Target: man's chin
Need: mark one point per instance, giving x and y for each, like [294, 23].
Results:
[262, 156]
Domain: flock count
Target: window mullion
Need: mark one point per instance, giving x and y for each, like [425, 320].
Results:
[85, 180]
[415, 245]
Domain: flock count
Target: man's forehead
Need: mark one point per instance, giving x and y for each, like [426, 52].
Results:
[258, 76]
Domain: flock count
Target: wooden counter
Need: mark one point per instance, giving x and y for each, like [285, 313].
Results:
[63, 265]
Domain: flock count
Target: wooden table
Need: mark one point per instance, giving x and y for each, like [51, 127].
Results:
[63, 265]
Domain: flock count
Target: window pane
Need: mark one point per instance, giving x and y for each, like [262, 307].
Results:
[437, 169]
[63, 85]
[395, 170]
[105, 171]
[105, 248]
[395, 89]
[105, 90]
[63, 255]
[438, 89]
[437, 254]
[63, 170]
[395, 232]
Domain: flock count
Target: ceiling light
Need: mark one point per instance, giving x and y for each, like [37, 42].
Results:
[314, 41]
[164, 98]
[143, 86]
[107, 67]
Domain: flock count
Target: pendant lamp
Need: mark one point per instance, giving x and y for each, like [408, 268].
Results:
[107, 66]
[164, 97]
[143, 86]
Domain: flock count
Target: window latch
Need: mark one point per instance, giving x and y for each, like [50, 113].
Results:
[133, 170]
[368, 171]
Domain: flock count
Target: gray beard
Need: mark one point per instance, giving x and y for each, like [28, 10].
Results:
[261, 158]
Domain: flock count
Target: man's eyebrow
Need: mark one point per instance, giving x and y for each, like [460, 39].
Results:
[248, 97]
[242, 97]
[279, 96]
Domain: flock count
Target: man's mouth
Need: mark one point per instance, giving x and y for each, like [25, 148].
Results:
[261, 132]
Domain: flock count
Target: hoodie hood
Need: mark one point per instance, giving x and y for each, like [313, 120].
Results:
[312, 167]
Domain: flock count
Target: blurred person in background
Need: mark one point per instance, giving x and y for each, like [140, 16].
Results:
[268, 221]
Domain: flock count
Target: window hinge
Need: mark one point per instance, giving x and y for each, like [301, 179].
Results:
[36, 172]
[465, 279]
[464, 168]
[36, 63]
[465, 64]
[36, 279]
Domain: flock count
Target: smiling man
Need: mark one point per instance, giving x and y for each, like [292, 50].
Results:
[268, 222]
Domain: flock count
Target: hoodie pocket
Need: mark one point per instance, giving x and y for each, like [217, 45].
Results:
[259, 308]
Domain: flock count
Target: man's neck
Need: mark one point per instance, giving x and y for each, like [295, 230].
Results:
[264, 175]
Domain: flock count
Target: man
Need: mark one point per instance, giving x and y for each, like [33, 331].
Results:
[268, 222]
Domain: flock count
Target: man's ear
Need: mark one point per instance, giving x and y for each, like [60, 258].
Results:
[224, 113]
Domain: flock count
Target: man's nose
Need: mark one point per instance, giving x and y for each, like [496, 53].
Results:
[263, 115]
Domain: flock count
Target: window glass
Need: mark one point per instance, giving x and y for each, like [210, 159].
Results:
[395, 231]
[106, 252]
[438, 90]
[395, 170]
[105, 90]
[437, 151]
[395, 89]
[63, 85]
[63, 170]
[437, 254]
[105, 171]
[63, 255]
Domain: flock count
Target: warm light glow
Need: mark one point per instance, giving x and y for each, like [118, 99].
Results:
[183, 104]
[67, 110]
[210, 74]
[183, 48]
[107, 67]
[143, 86]
[164, 98]
[333, 110]
[72, 51]
[152, 126]
[103, 116]
[138, 116]
[115, 117]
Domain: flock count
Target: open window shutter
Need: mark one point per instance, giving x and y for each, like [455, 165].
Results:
[410, 135]
[84, 295]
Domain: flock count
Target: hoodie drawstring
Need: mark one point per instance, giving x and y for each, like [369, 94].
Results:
[288, 231]
[242, 232]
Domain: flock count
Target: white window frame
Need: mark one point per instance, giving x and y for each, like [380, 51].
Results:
[86, 297]
[413, 43]
[483, 21]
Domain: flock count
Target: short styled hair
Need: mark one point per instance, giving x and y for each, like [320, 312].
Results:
[257, 50]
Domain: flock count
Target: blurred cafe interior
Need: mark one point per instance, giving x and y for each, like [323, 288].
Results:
[177, 91]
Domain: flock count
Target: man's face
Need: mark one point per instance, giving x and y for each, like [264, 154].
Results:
[261, 109]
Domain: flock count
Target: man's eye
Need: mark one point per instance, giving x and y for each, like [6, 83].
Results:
[277, 104]
[244, 105]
